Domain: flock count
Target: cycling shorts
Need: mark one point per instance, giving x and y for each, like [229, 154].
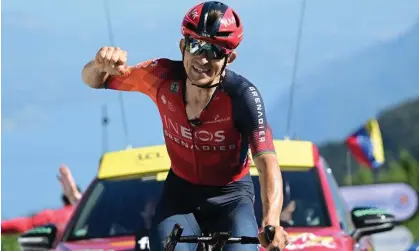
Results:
[204, 209]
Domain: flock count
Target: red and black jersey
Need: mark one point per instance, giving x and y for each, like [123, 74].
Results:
[214, 149]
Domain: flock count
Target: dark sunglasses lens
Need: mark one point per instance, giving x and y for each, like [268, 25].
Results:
[213, 54]
[196, 47]
[193, 46]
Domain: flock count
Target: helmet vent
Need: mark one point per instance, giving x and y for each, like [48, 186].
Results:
[237, 19]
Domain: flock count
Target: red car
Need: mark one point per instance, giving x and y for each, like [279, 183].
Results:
[115, 212]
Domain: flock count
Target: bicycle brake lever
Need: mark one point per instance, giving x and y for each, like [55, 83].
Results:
[173, 238]
[220, 240]
[269, 234]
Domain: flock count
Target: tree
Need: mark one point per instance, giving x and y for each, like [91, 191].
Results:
[363, 176]
[411, 167]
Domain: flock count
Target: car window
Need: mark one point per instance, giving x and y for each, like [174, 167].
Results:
[304, 203]
[117, 207]
[340, 205]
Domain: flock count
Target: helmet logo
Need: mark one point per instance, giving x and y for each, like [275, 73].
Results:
[194, 14]
[228, 21]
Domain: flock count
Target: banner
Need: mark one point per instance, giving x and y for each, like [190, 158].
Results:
[398, 199]
[400, 238]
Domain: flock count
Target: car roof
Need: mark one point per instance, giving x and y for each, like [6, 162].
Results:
[154, 160]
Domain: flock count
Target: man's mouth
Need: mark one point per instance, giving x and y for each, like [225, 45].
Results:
[200, 69]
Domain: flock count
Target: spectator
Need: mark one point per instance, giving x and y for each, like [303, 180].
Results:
[71, 195]
[71, 192]
[148, 212]
[287, 213]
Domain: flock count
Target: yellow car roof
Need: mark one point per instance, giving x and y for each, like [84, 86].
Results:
[153, 160]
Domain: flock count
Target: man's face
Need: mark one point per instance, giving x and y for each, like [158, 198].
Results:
[205, 66]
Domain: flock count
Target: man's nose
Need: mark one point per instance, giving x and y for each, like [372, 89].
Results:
[203, 58]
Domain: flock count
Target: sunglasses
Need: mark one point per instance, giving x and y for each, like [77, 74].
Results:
[197, 47]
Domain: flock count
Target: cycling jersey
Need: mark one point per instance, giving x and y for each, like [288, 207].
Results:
[213, 150]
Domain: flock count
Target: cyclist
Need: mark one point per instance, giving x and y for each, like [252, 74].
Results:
[211, 116]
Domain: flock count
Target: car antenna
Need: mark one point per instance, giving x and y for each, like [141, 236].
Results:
[105, 123]
[295, 66]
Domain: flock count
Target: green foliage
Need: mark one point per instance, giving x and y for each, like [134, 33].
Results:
[362, 177]
[411, 167]
[413, 225]
[9, 243]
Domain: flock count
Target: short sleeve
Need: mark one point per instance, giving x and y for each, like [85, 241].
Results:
[253, 121]
[144, 77]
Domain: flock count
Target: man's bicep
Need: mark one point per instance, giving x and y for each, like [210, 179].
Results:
[255, 122]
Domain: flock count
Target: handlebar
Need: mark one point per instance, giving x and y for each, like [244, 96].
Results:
[212, 239]
[218, 240]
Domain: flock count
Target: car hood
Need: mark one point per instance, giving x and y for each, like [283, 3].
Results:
[105, 244]
[316, 239]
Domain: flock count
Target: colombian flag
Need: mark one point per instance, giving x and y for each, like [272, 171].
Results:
[366, 145]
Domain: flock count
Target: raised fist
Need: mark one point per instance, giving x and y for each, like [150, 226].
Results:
[111, 60]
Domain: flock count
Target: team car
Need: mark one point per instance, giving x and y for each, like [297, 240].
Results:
[116, 210]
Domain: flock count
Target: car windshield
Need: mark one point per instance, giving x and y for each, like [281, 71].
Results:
[122, 207]
[117, 207]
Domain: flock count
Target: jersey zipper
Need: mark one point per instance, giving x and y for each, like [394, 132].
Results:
[194, 153]
[193, 127]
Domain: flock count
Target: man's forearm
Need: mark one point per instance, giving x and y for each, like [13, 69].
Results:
[75, 198]
[270, 180]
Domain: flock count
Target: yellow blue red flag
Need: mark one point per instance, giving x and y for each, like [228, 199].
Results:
[366, 145]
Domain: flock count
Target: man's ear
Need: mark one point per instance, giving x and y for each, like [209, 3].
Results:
[231, 57]
[182, 45]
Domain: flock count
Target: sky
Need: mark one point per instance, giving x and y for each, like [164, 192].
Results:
[50, 117]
